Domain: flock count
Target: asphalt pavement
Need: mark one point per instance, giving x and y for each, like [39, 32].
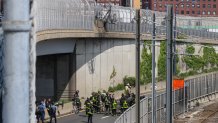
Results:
[82, 118]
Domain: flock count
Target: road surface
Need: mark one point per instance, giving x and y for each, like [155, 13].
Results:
[82, 118]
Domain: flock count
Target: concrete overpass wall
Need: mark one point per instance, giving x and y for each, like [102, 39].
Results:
[87, 64]
[95, 60]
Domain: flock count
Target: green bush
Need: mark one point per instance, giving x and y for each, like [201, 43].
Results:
[111, 89]
[130, 80]
[120, 86]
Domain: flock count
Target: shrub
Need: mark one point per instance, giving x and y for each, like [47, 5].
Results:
[111, 89]
[130, 80]
[120, 87]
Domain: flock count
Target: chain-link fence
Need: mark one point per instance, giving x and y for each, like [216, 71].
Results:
[81, 15]
[122, 19]
[202, 87]
[64, 14]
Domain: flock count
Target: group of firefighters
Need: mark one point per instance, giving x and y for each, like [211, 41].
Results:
[106, 103]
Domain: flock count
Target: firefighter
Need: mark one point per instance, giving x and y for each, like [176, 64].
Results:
[114, 107]
[107, 105]
[87, 105]
[90, 113]
[125, 105]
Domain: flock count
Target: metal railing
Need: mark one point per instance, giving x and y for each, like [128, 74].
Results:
[203, 87]
[81, 15]
[64, 14]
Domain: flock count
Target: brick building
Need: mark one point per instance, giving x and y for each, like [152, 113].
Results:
[187, 7]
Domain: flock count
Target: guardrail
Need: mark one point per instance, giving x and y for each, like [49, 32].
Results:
[203, 87]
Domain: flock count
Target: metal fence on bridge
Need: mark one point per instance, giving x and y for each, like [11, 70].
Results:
[81, 15]
[196, 89]
[122, 19]
[64, 14]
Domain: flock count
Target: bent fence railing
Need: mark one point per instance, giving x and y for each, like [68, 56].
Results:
[81, 15]
[196, 89]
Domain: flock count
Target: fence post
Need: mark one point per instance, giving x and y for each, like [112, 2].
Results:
[137, 114]
[169, 26]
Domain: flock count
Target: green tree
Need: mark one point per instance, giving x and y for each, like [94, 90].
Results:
[146, 63]
[162, 61]
[193, 62]
[209, 56]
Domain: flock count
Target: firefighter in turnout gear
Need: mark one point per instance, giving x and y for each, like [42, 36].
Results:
[107, 105]
[87, 105]
[90, 113]
[125, 105]
[114, 107]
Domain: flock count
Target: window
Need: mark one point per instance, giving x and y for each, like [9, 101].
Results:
[160, 5]
[198, 12]
[208, 12]
[193, 5]
[209, 0]
[208, 6]
[182, 5]
[187, 0]
[177, 12]
[187, 12]
[182, 0]
[203, 13]
[198, 6]
[214, 6]
[214, 0]
[214, 13]
[155, 5]
[203, 5]
[193, 12]
[187, 5]
[182, 12]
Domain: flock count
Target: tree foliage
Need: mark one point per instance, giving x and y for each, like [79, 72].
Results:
[162, 61]
[146, 63]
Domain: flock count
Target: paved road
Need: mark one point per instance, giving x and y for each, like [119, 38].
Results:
[98, 118]
[81, 118]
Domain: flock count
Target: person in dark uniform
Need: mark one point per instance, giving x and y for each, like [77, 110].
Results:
[107, 105]
[87, 105]
[114, 107]
[90, 113]
[53, 110]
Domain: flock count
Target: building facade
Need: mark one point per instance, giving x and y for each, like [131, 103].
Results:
[203, 8]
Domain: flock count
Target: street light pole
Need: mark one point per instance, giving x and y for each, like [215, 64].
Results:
[169, 27]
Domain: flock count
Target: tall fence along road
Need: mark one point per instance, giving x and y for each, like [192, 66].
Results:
[203, 87]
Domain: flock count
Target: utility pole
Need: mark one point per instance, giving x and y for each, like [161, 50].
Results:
[16, 26]
[137, 66]
[153, 73]
[169, 29]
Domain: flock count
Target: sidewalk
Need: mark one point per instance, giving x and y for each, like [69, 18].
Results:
[67, 109]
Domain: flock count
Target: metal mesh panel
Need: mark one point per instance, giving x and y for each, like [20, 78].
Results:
[64, 14]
